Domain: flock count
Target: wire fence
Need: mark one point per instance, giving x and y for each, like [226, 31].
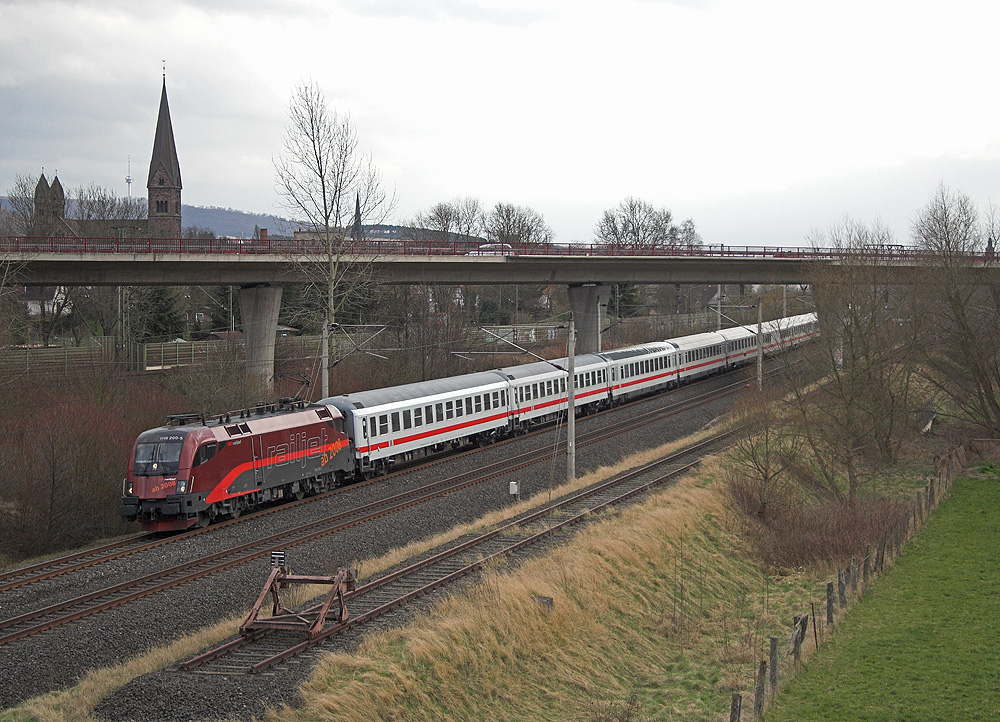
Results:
[781, 659]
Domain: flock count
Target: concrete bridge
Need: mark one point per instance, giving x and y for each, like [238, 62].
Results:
[262, 267]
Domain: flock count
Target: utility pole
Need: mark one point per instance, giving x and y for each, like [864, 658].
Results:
[571, 405]
[324, 352]
[760, 344]
[718, 305]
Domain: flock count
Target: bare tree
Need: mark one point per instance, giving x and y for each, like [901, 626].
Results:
[469, 216]
[962, 305]
[440, 218]
[516, 225]
[324, 179]
[759, 458]
[866, 357]
[21, 197]
[636, 222]
[99, 212]
[13, 222]
[687, 234]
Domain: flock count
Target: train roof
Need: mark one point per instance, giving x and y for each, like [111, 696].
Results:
[539, 368]
[737, 332]
[264, 417]
[417, 390]
[644, 350]
[697, 340]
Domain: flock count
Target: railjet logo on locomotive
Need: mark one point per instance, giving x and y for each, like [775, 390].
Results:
[195, 469]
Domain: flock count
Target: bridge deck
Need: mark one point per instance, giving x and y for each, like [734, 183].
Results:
[112, 262]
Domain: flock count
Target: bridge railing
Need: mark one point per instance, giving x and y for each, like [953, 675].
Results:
[408, 247]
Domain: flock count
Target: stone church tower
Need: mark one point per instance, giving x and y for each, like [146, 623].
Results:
[164, 178]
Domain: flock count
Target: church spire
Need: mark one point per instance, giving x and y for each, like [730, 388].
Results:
[164, 177]
[164, 150]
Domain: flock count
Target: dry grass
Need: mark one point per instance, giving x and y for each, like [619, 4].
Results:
[660, 610]
[658, 603]
[75, 703]
[369, 568]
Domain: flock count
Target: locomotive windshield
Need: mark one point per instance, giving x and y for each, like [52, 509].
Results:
[157, 459]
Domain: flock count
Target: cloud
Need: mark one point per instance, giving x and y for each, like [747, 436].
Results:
[513, 13]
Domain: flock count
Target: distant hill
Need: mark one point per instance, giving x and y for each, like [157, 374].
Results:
[221, 221]
[229, 222]
[240, 224]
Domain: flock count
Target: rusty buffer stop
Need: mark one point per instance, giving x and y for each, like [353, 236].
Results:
[311, 620]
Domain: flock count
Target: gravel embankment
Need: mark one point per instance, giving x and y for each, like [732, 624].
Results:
[61, 657]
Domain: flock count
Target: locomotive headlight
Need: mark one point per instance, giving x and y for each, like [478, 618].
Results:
[127, 486]
[182, 486]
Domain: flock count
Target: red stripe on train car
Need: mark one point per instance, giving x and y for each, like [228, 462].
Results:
[221, 490]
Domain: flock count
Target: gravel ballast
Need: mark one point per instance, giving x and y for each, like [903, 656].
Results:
[58, 659]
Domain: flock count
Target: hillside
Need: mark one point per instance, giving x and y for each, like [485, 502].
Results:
[221, 221]
[230, 222]
[241, 224]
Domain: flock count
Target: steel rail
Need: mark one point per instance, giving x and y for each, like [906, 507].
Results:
[75, 561]
[500, 532]
[190, 571]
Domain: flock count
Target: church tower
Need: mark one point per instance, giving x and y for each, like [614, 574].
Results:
[49, 208]
[164, 178]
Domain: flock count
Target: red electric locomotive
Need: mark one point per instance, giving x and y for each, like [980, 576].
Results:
[195, 469]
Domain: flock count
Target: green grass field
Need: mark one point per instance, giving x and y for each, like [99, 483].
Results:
[924, 644]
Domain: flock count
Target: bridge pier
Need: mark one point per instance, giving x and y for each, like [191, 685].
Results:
[259, 306]
[586, 302]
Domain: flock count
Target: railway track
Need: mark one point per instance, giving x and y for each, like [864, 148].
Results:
[15, 578]
[46, 618]
[261, 650]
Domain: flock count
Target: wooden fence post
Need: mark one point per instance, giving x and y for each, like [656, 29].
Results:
[758, 690]
[774, 664]
[841, 588]
[812, 606]
[866, 565]
[735, 707]
[799, 625]
[854, 576]
[829, 604]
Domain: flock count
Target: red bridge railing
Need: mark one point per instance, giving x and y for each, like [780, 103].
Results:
[400, 247]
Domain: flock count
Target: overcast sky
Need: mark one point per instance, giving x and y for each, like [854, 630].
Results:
[762, 120]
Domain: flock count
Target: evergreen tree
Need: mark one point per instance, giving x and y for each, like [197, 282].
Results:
[155, 314]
